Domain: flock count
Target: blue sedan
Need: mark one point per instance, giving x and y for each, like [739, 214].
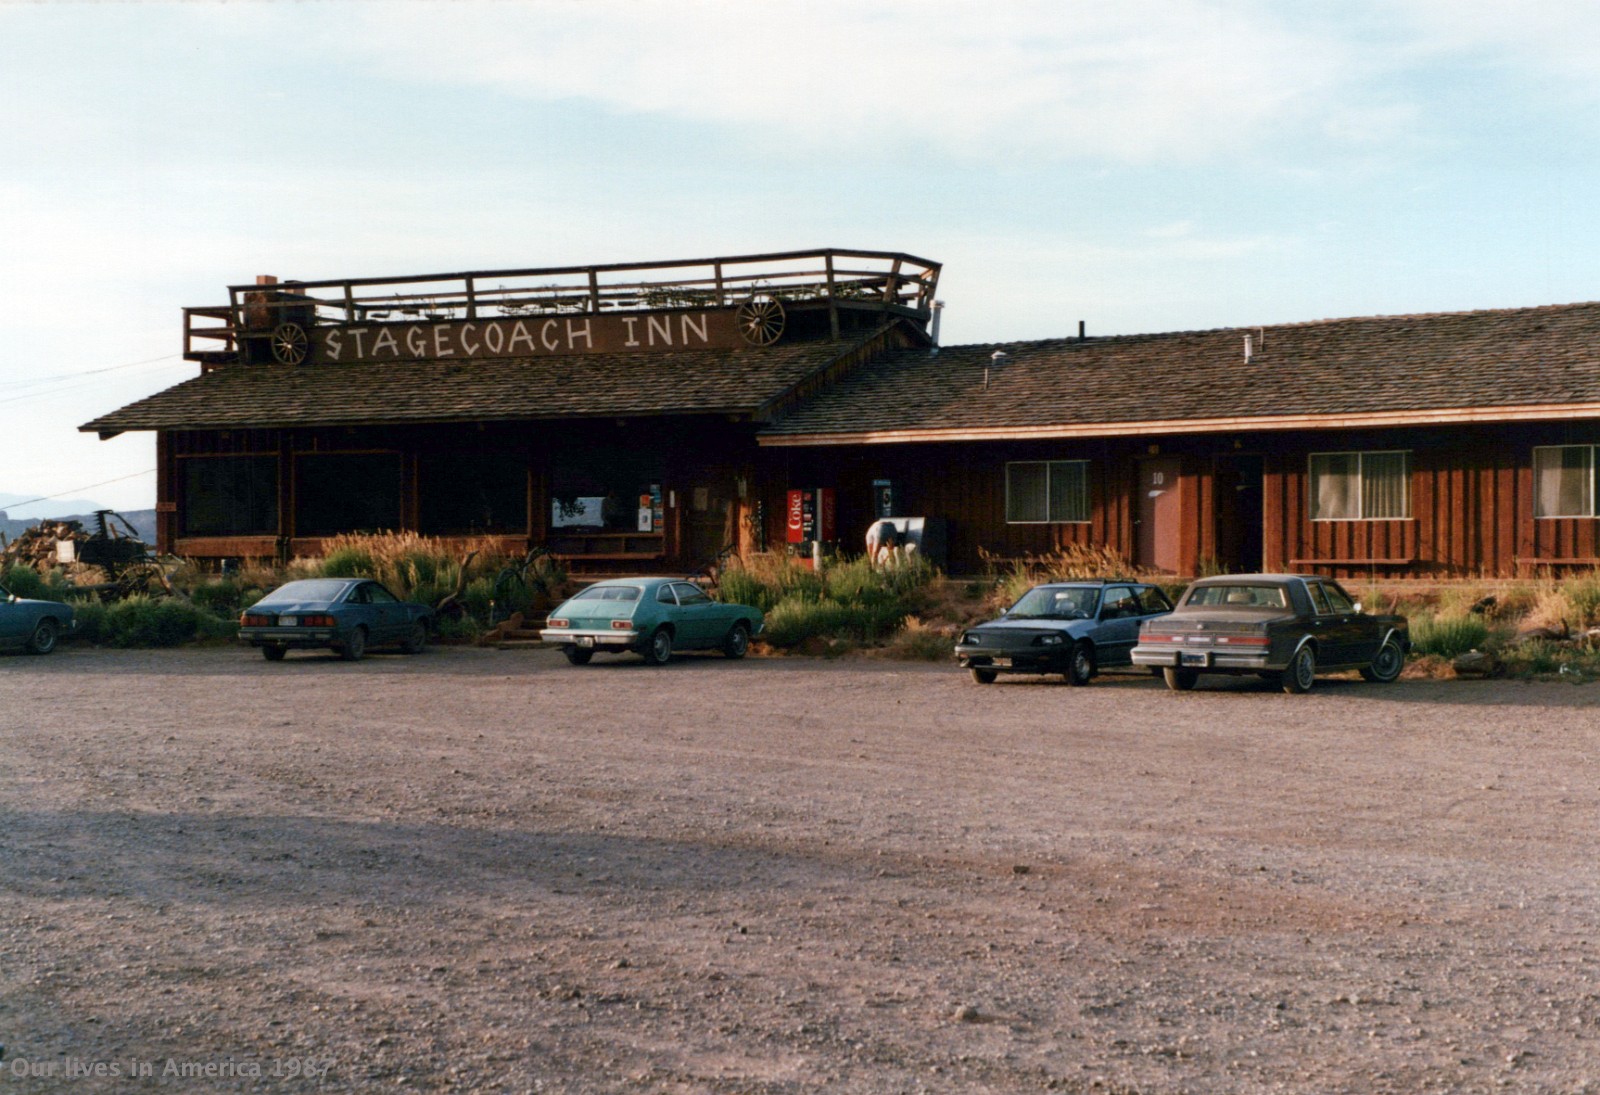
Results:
[346, 615]
[1072, 628]
[649, 616]
[33, 625]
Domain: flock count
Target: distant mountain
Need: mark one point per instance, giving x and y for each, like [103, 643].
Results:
[50, 507]
[142, 520]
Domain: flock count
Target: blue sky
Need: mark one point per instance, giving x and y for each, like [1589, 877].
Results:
[1142, 165]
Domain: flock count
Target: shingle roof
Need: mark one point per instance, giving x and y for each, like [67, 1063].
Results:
[691, 382]
[1487, 361]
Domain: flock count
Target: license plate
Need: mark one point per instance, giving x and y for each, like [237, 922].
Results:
[585, 640]
[288, 621]
[1000, 663]
[1194, 659]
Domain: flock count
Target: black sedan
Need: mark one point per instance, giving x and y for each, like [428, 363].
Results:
[1283, 627]
[346, 615]
[1072, 628]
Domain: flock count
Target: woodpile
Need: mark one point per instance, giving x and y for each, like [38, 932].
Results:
[36, 547]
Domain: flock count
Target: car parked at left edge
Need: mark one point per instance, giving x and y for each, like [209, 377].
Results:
[1072, 628]
[35, 626]
[346, 615]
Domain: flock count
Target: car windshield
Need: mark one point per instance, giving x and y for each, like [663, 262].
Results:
[312, 589]
[608, 593]
[1056, 603]
[1239, 596]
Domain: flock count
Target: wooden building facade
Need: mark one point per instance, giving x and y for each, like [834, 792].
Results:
[645, 417]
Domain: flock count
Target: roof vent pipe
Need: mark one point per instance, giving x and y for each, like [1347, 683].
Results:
[1247, 350]
[996, 359]
[1081, 335]
[938, 310]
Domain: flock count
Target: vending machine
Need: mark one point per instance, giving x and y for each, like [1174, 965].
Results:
[810, 517]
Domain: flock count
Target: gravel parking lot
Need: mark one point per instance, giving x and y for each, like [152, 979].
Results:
[490, 871]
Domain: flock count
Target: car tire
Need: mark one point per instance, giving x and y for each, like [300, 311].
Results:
[273, 652]
[1181, 680]
[416, 640]
[355, 647]
[984, 676]
[737, 644]
[1301, 672]
[1080, 664]
[1386, 663]
[43, 639]
[659, 650]
[576, 656]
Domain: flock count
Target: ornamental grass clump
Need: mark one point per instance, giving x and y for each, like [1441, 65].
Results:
[1449, 635]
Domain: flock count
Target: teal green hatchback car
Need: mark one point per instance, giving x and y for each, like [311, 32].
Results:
[649, 616]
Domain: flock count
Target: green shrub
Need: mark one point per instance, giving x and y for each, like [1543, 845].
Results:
[349, 562]
[222, 597]
[1448, 635]
[1583, 593]
[794, 620]
[89, 619]
[143, 621]
[26, 582]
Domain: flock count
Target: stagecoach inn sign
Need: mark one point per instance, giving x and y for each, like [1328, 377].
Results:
[550, 336]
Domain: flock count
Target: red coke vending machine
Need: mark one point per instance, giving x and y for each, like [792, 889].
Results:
[809, 518]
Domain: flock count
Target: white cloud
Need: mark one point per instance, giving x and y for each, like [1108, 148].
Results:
[1133, 81]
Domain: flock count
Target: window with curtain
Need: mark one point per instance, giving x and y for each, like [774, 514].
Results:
[1360, 486]
[1047, 492]
[1564, 481]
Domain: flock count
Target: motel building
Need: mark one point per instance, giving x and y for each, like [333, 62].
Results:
[637, 418]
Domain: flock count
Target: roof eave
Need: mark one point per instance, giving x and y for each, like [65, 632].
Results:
[1542, 412]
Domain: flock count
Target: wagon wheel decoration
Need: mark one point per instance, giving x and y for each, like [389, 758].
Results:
[290, 344]
[761, 320]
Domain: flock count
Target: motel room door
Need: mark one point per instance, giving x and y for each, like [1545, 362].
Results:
[711, 513]
[1160, 514]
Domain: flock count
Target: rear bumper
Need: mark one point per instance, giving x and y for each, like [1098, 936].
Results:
[288, 636]
[591, 639]
[1206, 661]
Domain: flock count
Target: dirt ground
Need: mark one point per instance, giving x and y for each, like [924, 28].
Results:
[489, 871]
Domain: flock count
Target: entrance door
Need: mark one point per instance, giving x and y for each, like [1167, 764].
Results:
[1238, 512]
[1160, 514]
[710, 520]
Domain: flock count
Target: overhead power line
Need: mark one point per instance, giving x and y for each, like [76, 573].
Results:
[75, 490]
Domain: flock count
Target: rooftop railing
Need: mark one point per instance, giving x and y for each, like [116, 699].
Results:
[832, 278]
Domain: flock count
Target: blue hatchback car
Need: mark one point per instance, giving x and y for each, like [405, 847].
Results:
[1072, 628]
[346, 615]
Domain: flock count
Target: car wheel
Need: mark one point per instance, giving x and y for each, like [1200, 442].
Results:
[274, 653]
[984, 676]
[1302, 671]
[355, 646]
[1386, 663]
[43, 639]
[1080, 669]
[659, 652]
[576, 656]
[737, 644]
[416, 639]
[1181, 680]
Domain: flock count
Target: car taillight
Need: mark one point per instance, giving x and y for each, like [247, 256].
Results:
[316, 621]
[557, 623]
[255, 619]
[622, 625]
[1244, 640]
[1164, 638]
